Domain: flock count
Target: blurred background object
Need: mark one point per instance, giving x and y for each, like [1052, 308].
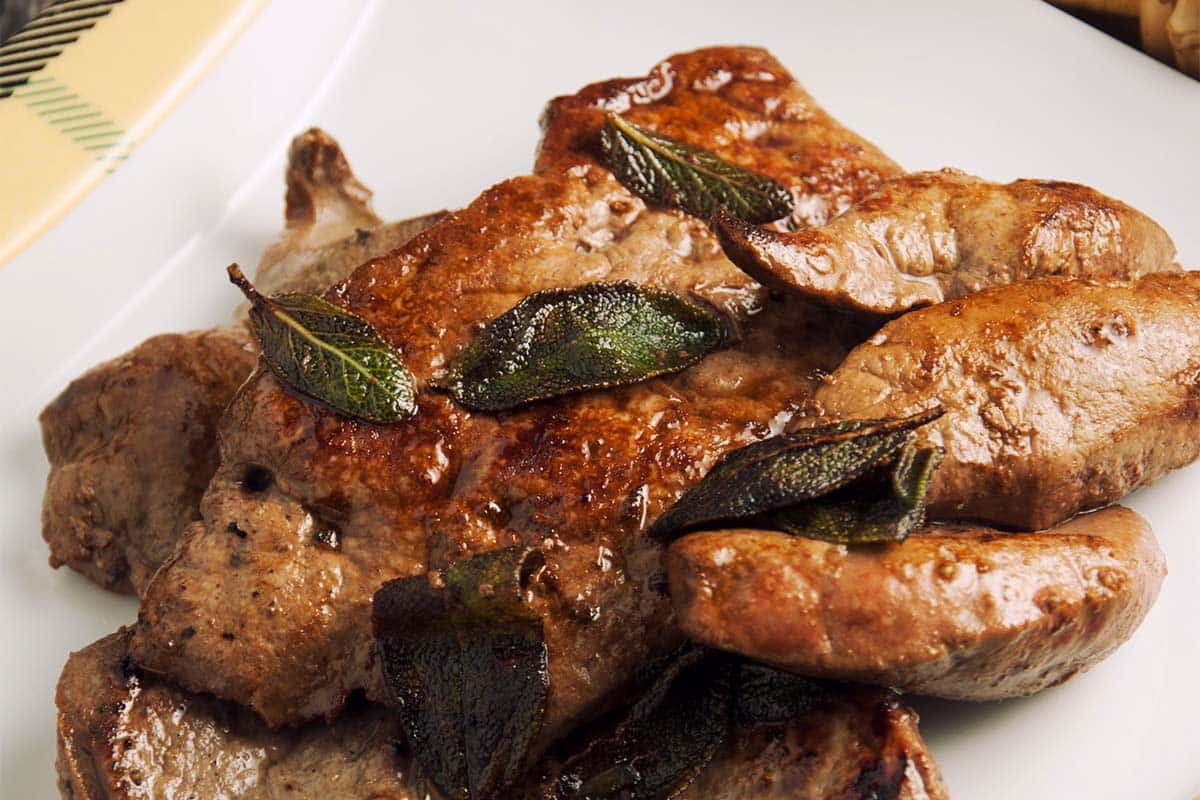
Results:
[15, 13]
[1169, 30]
[83, 82]
[32, 32]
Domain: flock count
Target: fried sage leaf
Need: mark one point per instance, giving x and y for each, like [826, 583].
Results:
[328, 353]
[770, 696]
[870, 511]
[913, 472]
[562, 341]
[466, 668]
[670, 173]
[785, 471]
[694, 705]
[663, 741]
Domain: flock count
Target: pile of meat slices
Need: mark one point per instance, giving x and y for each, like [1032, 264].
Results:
[182, 473]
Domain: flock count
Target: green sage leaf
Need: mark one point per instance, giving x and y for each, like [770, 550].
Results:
[868, 511]
[466, 668]
[326, 352]
[562, 341]
[787, 470]
[913, 472]
[669, 173]
[665, 739]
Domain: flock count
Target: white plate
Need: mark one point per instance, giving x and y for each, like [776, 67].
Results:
[434, 101]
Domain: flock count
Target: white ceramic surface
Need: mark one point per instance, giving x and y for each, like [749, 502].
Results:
[435, 101]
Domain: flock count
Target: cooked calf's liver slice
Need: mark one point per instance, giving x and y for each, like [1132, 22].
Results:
[1060, 395]
[126, 735]
[132, 446]
[132, 443]
[932, 236]
[580, 476]
[958, 611]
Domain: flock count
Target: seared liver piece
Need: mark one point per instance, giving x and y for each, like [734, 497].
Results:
[932, 236]
[330, 227]
[964, 612]
[579, 476]
[862, 744]
[120, 495]
[1060, 395]
[323, 201]
[132, 444]
[313, 271]
[124, 735]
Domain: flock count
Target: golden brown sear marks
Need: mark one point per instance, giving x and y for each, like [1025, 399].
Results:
[739, 103]
[933, 236]
[957, 611]
[1061, 395]
[578, 476]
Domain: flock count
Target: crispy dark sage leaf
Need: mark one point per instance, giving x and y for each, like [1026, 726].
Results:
[872, 511]
[465, 666]
[788, 470]
[769, 696]
[670, 734]
[562, 341]
[663, 741]
[328, 353]
[669, 173]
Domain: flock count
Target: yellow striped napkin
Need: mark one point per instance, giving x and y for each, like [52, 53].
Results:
[83, 83]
